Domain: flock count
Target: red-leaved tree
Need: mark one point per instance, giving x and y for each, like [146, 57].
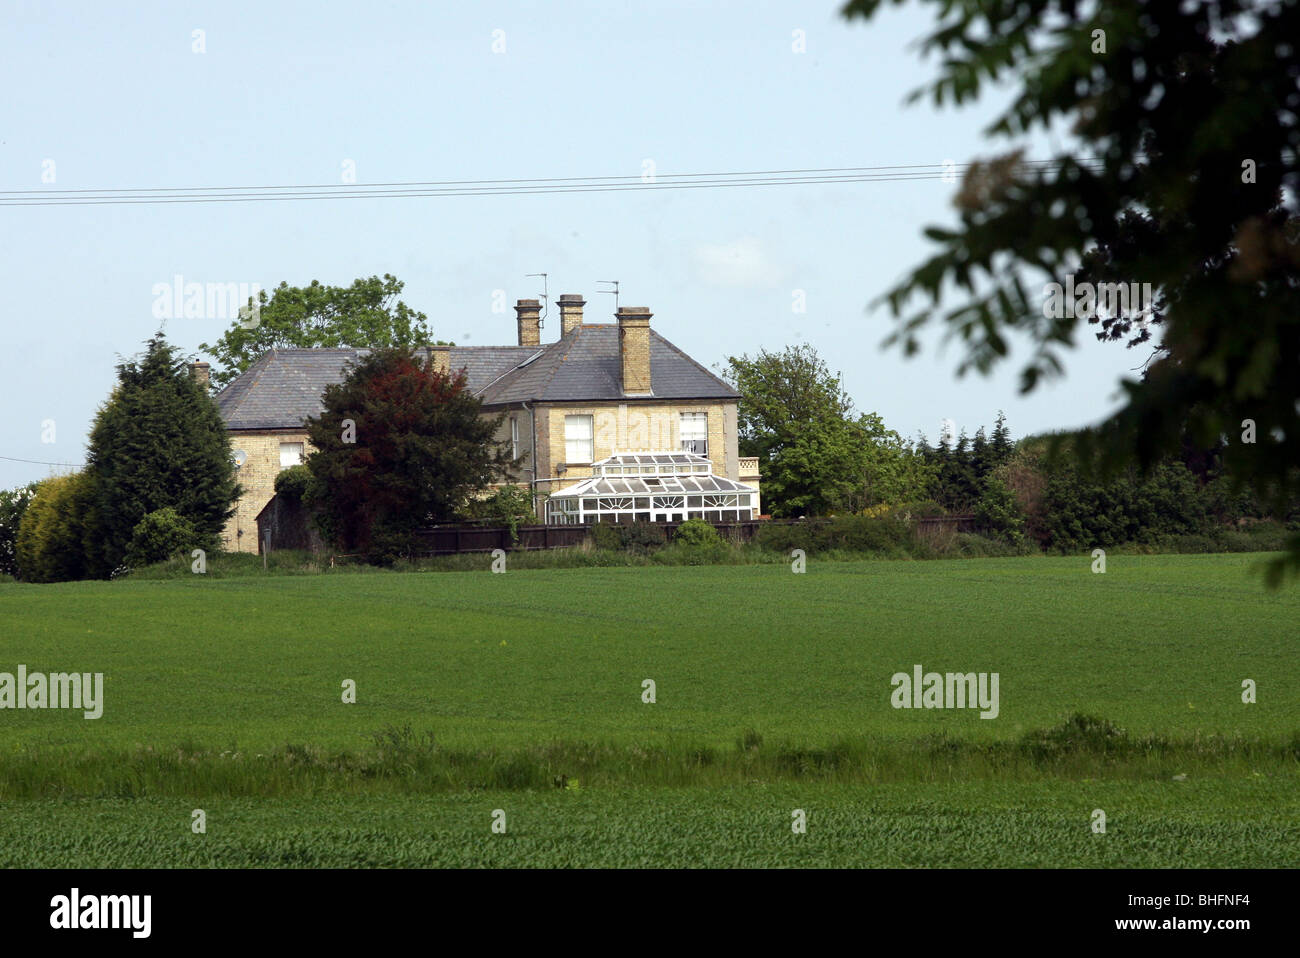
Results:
[398, 445]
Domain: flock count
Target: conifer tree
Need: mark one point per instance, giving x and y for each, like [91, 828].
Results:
[158, 442]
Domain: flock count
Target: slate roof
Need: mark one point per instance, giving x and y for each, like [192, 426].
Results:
[284, 386]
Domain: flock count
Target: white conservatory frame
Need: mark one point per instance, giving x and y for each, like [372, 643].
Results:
[652, 487]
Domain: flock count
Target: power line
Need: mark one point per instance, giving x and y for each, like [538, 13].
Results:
[515, 187]
[41, 462]
[553, 179]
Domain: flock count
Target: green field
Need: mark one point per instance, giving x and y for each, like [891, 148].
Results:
[523, 691]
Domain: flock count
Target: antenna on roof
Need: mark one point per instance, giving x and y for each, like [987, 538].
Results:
[614, 283]
[541, 319]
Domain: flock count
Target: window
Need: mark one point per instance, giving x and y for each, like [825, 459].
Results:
[695, 433]
[577, 439]
[514, 437]
[290, 454]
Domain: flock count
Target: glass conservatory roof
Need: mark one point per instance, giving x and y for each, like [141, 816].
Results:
[643, 474]
[652, 464]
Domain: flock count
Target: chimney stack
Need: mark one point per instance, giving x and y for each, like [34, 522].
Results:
[634, 349]
[441, 356]
[200, 373]
[530, 322]
[570, 313]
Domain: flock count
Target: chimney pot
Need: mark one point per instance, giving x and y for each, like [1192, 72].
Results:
[201, 373]
[530, 322]
[570, 313]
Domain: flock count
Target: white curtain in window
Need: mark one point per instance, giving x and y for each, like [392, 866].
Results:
[290, 454]
[578, 439]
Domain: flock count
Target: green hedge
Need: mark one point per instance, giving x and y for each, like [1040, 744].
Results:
[890, 535]
[58, 531]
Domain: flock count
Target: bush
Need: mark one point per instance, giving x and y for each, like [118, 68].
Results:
[13, 503]
[58, 531]
[785, 538]
[160, 535]
[972, 546]
[925, 509]
[293, 483]
[696, 532]
[605, 535]
[884, 536]
[716, 552]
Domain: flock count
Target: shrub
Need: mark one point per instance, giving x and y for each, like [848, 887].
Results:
[58, 530]
[885, 536]
[606, 535]
[293, 483]
[641, 537]
[160, 535]
[975, 546]
[785, 538]
[13, 503]
[925, 509]
[716, 552]
[860, 534]
[696, 532]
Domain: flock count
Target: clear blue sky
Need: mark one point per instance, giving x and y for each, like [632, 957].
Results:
[285, 93]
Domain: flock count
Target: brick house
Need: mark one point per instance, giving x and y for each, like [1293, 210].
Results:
[600, 391]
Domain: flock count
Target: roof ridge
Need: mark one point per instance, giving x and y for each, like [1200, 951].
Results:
[680, 352]
[573, 338]
[264, 361]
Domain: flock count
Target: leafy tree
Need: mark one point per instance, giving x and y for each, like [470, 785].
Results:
[158, 442]
[13, 503]
[421, 449]
[1184, 178]
[884, 469]
[814, 454]
[366, 314]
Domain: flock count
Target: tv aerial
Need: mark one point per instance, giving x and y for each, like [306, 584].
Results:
[541, 320]
[610, 282]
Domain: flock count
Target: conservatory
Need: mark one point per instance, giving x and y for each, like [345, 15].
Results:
[652, 487]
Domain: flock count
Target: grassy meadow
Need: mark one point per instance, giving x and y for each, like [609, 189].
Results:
[523, 691]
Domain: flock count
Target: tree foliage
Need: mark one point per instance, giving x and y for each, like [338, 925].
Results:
[367, 314]
[159, 442]
[816, 455]
[1183, 176]
[57, 537]
[160, 535]
[510, 505]
[13, 503]
[421, 449]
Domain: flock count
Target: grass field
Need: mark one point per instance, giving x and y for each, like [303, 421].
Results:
[477, 691]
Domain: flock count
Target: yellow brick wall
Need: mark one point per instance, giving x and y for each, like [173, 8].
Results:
[632, 427]
[617, 427]
[257, 476]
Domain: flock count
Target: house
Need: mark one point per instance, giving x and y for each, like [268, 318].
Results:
[613, 403]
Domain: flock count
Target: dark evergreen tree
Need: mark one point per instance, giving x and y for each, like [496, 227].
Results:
[158, 442]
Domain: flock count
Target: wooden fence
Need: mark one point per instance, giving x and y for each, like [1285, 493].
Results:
[287, 527]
